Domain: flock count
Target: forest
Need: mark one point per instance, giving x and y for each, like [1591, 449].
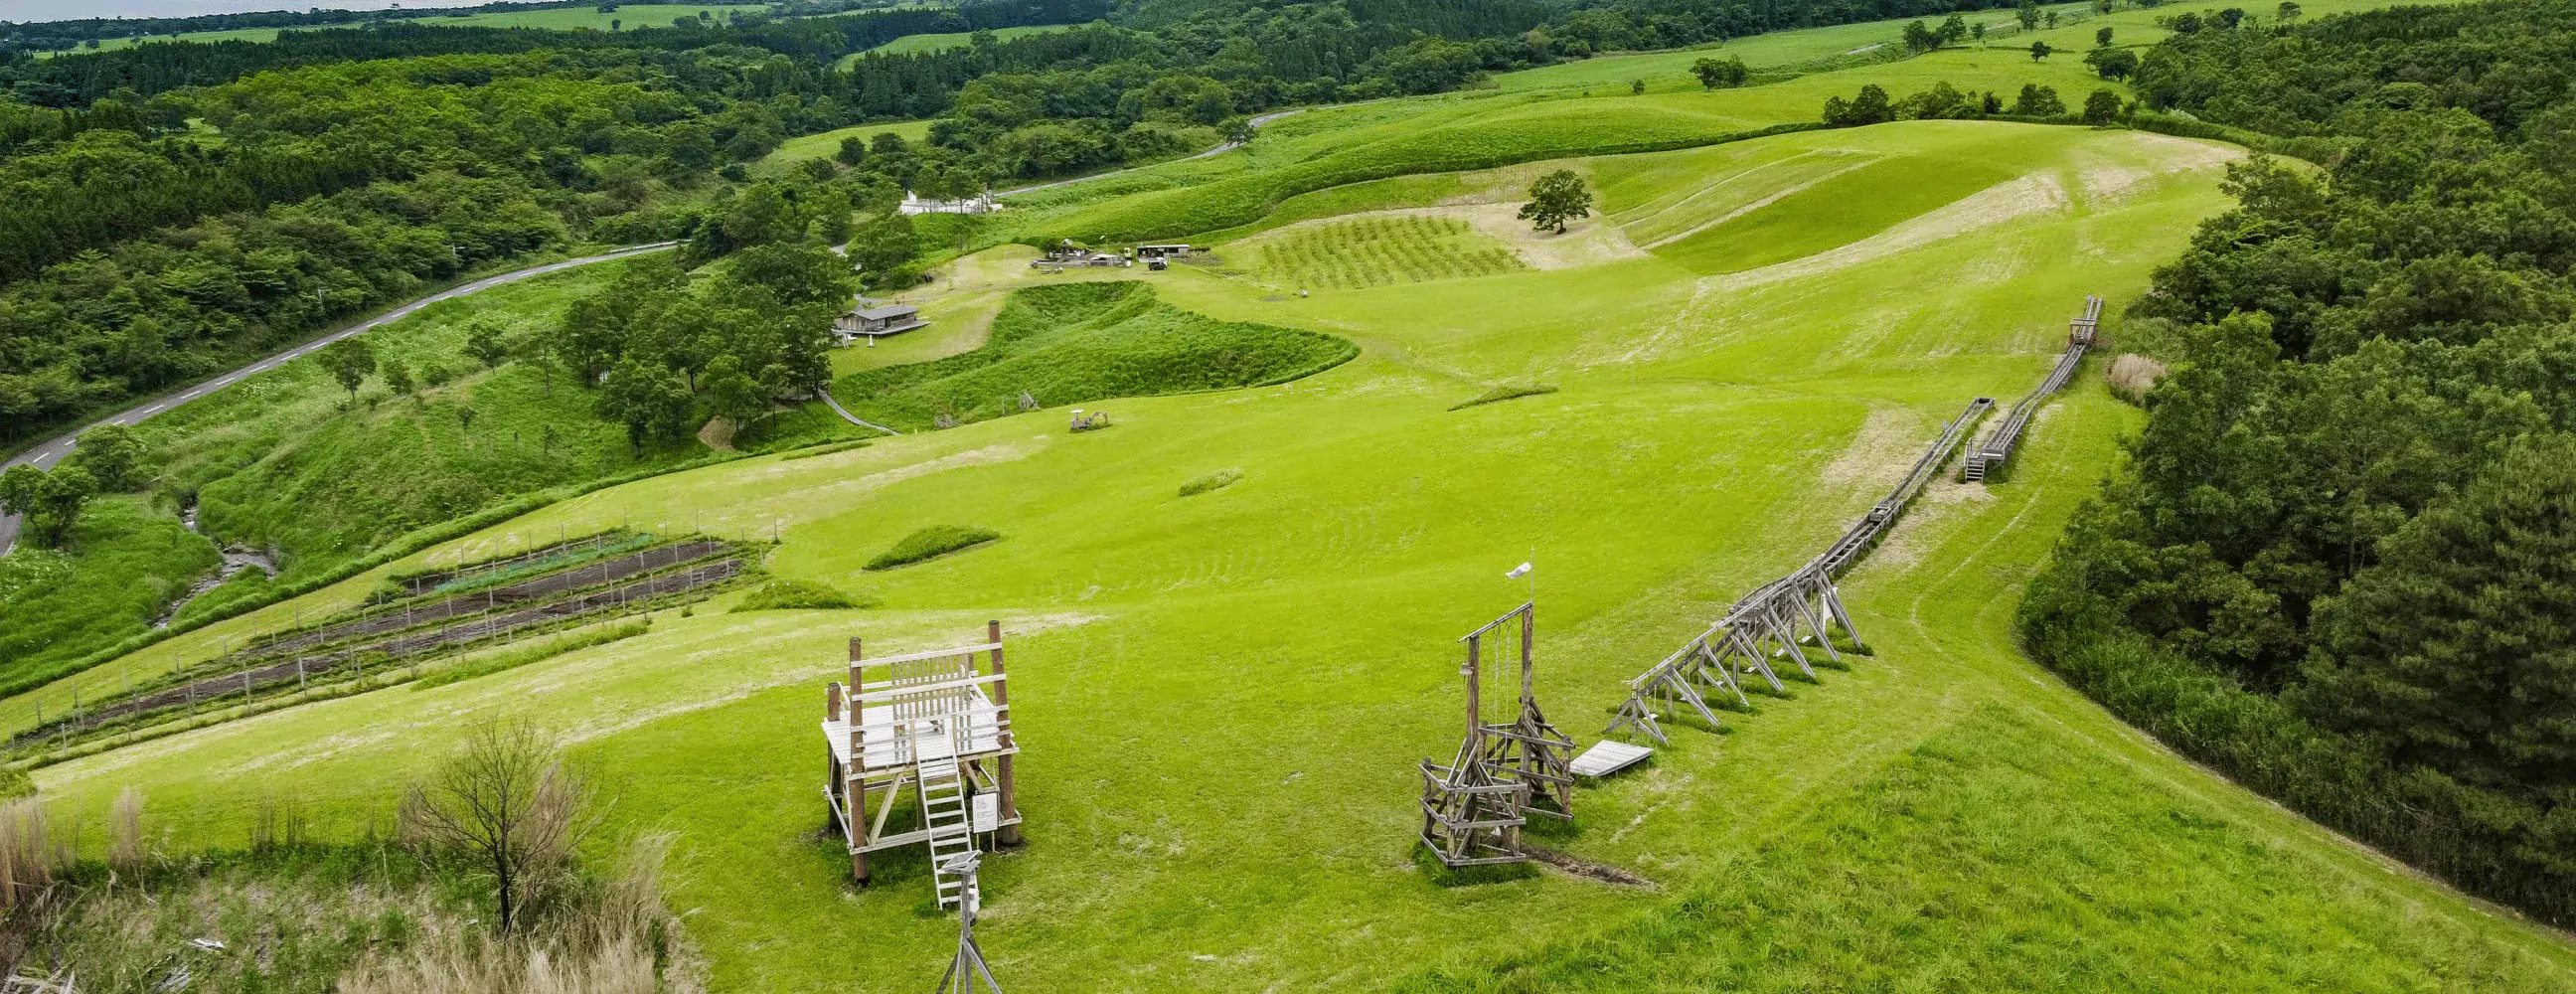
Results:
[2341, 564]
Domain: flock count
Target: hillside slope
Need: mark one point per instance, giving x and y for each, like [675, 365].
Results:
[1221, 696]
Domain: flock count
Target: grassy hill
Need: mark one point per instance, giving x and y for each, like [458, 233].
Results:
[1222, 695]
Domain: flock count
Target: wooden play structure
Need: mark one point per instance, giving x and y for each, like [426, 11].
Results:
[931, 725]
[1505, 770]
[1986, 458]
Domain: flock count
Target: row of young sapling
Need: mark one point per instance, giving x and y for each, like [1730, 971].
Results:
[412, 620]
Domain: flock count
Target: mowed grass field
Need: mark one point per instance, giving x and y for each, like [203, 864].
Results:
[825, 144]
[1222, 696]
[924, 44]
[1337, 149]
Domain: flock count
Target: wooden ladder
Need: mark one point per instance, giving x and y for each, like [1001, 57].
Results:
[941, 782]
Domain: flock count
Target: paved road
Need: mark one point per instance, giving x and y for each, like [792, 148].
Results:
[1219, 150]
[46, 455]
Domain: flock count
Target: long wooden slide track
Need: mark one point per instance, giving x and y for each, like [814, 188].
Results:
[1988, 456]
[1779, 617]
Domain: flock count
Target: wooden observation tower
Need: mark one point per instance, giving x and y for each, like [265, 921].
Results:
[936, 727]
[1505, 771]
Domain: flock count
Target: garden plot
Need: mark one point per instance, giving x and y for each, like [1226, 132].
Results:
[472, 606]
[1401, 247]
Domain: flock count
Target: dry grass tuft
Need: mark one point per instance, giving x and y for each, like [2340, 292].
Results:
[2132, 375]
[606, 944]
[31, 859]
[125, 832]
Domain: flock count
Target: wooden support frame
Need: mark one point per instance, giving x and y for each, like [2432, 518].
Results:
[1505, 771]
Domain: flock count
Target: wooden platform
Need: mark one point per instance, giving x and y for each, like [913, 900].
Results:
[1609, 756]
[882, 748]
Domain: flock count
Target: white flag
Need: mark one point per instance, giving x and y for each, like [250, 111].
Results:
[1517, 572]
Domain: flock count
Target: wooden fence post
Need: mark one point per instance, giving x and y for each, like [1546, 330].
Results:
[1009, 807]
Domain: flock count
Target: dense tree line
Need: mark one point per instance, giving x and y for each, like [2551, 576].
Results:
[145, 70]
[2341, 561]
[47, 35]
[134, 263]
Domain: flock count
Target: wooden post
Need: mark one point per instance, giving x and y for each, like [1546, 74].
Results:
[855, 790]
[1474, 642]
[1009, 806]
[1529, 623]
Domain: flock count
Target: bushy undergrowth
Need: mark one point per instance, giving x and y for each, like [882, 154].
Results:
[1080, 342]
[936, 540]
[795, 595]
[127, 561]
[288, 912]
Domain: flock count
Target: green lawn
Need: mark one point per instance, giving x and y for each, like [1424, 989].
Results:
[1315, 153]
[828, 143]
[1221, 696]
[924, 44]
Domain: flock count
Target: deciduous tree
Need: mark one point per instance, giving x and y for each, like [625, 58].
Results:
[1556, 198]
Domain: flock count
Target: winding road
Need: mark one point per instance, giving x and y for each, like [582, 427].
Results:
[46, 455]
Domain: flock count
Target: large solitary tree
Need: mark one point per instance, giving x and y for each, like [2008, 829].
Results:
[1556, 198]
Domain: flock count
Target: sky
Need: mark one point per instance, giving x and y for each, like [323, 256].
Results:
[28, 11]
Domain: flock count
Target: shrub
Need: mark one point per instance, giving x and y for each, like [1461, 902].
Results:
[936, 540]
[1508, 391]
[1218, 480]
[796, 595]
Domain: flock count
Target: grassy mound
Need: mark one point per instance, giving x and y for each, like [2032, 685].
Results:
[1368, 252]
[1079, 342]
[1215, 481]
[799, 595]
[1507, 391]
[936, 540]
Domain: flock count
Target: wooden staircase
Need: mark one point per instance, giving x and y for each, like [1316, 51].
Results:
[941, 784]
